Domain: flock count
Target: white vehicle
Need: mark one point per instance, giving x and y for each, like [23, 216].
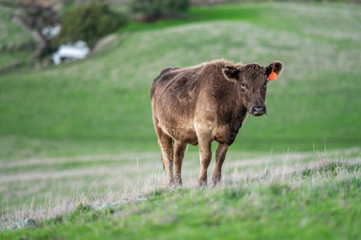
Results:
[78, 50]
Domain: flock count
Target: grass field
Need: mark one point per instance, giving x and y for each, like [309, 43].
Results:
[12, 35]
[278, 196]
[81, 133]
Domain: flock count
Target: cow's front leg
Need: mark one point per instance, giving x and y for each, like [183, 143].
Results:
[179, 150]
[205, 155]
[220, 156]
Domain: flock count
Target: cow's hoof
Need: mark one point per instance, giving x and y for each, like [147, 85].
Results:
[171, 183]
[216, 180]
[202, 182]
[177, 182]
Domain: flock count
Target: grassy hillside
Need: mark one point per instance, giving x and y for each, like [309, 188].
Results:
[105, 99]
[11, 33]
[12, 36]
[78, 152]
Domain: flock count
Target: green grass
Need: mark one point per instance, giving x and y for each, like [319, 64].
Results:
[251, 13]
[20, 57]
[246, 210]
[11, 33]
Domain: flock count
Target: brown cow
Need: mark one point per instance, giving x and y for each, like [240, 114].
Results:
[205, 103]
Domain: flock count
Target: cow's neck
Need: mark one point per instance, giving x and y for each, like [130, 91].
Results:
[240, 114]
[232, 111]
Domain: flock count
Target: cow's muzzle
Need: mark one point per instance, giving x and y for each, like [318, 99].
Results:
[257, 110]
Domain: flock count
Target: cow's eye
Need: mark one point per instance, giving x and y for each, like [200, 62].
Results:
[243, 86]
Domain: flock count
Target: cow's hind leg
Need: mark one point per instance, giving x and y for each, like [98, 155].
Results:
[179, 150]
[166, 146]
[220, 156]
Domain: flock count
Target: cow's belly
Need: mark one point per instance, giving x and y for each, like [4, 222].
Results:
[187, 135]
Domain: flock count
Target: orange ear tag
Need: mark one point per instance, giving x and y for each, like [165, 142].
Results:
[272, 76]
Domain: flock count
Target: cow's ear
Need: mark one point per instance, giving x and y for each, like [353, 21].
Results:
[231, 73]
[275, 67]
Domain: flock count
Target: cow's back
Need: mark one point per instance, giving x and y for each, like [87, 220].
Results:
[174, 96]
[177, 88]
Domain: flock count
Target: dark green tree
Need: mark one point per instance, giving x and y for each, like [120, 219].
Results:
[151, 10]
[89, 22]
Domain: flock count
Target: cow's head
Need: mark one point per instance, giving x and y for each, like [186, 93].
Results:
[251, 80]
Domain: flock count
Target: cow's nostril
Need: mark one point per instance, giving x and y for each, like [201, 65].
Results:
[258, 110]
